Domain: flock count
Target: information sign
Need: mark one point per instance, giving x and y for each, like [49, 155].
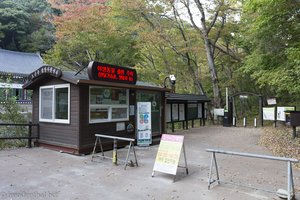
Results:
[168, 154]
[269, 113]
[144, 133]
[281, 112]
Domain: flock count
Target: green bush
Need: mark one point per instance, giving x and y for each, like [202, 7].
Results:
[11, 114]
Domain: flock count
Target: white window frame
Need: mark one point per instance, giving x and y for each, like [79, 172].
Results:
[53, 120]
[109, 107]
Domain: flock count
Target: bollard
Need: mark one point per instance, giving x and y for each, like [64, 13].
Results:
[245, 121]
[234, 121]
[255, 124]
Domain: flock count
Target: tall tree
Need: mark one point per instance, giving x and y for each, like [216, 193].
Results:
[168, 44]
[271, 39]
[210, 24]
[24, 25]
[13, 24]
[88, 30]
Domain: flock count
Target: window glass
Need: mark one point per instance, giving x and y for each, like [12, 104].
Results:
[119, 113]
[108, 104]
[61, 103]
[107, 96]
[46, 103]
[99, 113]
[54, 103]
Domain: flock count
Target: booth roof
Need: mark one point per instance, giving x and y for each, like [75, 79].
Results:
[176, 98]
[19, 63]
[82, 78]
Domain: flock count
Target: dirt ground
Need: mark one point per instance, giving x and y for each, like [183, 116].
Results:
[39, 173]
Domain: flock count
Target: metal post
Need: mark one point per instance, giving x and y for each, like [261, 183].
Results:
[185, 162]
[255, 124]
[210, 170]
[217, 171]
[289, 180]
[294, 132]
[29, 134]
[94, 148]
[260, 102]
[173, 129]
[114, 158]
[127, 156]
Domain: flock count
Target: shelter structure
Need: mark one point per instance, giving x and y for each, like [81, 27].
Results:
[184, 108]
[107, 99]
[14, 70]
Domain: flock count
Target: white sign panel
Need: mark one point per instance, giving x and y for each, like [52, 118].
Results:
[11, 85]
[144, 133]
[120, 126]
[175, 112]
[181, 112]
[271, 101]
[219, 112]
[168, 113]
[200, 110]
[269, 113]
[281, 115]
[131, 110]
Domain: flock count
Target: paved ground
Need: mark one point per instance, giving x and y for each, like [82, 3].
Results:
[39, 173]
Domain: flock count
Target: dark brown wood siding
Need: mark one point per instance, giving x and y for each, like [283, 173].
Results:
[88, 131]
[66, 135]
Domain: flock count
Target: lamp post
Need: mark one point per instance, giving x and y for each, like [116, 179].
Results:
[172, 81]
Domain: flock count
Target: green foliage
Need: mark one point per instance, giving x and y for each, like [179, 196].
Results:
[88, 30]
[24, 25]
[11, 114]
[271, 37]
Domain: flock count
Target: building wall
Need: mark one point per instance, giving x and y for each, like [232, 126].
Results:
[65, 135]
[88, 130]
[79, 135]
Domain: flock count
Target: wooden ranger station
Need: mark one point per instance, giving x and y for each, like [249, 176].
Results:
[72, 107]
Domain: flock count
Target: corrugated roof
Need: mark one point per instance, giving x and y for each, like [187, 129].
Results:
[82, 78]
[15, 62]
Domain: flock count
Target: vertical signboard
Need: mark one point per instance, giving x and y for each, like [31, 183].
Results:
[168, 113]
[181, 112]
[144, 133]
[175, 112]
[200, 110]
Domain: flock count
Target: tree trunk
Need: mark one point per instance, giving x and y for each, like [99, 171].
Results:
[213, 73]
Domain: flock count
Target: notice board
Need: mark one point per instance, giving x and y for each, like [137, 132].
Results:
[168, 154]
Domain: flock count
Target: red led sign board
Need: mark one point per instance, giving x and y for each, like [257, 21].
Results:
[112, 73]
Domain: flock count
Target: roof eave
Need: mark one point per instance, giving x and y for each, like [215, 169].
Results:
[122, 85]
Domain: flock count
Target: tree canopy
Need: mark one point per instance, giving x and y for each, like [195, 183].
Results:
[245, 45]
[25, 25]
[270, 33]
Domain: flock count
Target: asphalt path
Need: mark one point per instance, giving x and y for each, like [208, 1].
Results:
[39, 173]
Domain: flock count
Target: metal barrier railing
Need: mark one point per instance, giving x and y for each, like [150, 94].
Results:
[114, 157]
[29, 136]
[290, 183]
